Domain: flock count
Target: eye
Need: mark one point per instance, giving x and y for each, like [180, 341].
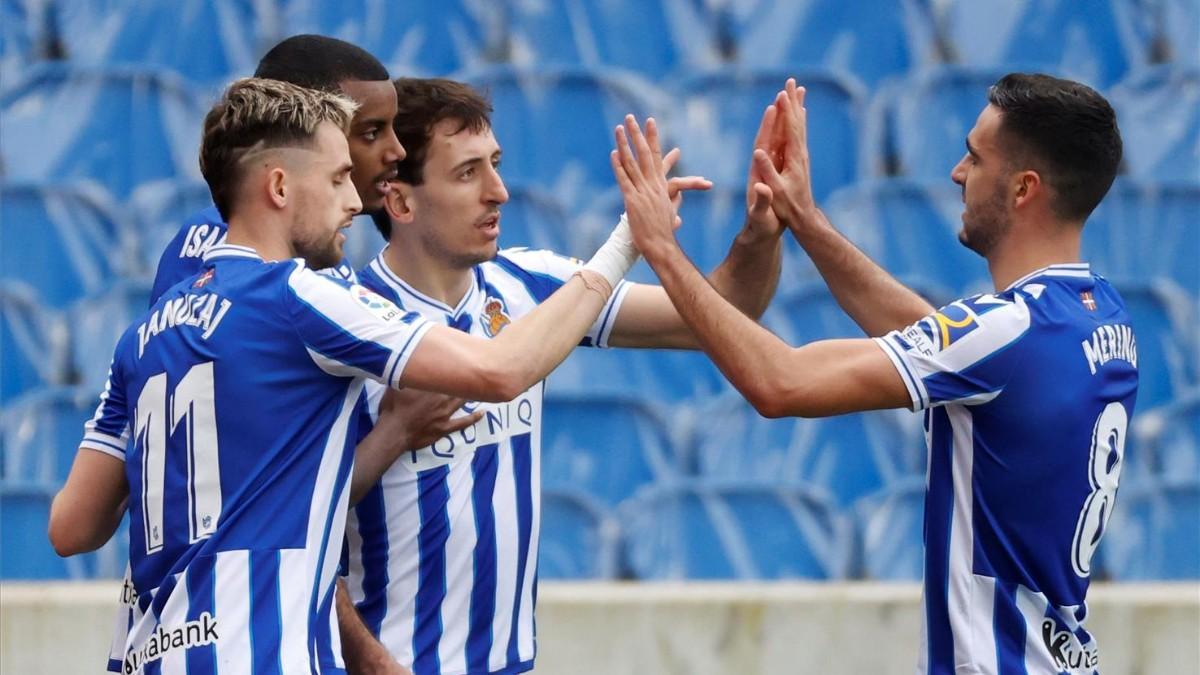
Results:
[371, 135]
[467, 173]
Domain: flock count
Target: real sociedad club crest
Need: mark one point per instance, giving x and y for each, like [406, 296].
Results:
[494, 317]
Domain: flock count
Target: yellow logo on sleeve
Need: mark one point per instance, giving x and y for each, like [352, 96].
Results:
[954, 323]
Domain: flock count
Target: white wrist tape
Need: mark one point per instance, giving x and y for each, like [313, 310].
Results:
[613, 260]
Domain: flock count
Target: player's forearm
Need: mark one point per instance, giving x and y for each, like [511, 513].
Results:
[876, 301]
[745, 352]
[363, 653]
[528, 349]
[372, 457]
[748, 276]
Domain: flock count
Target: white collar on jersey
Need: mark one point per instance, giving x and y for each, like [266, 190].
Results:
[403, 288]
[1078, 270]
[231, 251]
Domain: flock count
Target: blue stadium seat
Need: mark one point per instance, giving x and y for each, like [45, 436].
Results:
[558, 124]
[849, 456]
[122, 126]
[669, 376]
[65, 241]
[33, 343]
[41, 432]
[653, 38]
[1164, 322]
[1158, 110]
[536, 219]
[424, 38]
[605, 446]
[579, 538]
[161, 209]
[734, 530]
[872, 40]
[98, 321]
[1169, 437]
[1152, 534]
[720, 111]
[933, 113]
[24, 515]
[891, 526]
[1177, 24]
[1091, 40]
[911, 229]
[1146, 230]
[206, 41]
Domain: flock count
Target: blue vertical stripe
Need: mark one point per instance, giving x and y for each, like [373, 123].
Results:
[266, 630]
[373, 528]
[522, 473]
[1008, 627]
[483, 593]
[202, 597]
[939, 509]
[434, 494]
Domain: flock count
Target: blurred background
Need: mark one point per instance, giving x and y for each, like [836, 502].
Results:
[653, 469]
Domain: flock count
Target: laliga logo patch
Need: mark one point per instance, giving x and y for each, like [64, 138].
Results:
[954, 323]
[494, 317]
[375, 303]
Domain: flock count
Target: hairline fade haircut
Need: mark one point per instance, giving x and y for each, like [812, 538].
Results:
[423, 103]
[257, 114]
[1064, 130]
[320, 62]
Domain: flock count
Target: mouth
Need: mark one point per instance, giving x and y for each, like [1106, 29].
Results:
[490, 226]
[383, 183]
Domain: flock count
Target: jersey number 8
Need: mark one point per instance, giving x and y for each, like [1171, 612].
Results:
[1104, 471]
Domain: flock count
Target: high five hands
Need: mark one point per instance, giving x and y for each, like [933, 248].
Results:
[778, 187]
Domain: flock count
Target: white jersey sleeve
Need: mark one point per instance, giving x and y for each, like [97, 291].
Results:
[350, 330]
[960, 353]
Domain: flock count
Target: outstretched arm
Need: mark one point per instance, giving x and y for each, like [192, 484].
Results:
[747, 277]
[823, 378]
[363, 653]
[525, 352]
[872, 297]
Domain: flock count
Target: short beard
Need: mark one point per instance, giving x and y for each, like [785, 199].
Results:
[990, 223]
[319, 257]
[459, 261]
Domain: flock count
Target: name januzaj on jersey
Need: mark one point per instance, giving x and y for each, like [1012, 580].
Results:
[202, 311]
[1110, 341]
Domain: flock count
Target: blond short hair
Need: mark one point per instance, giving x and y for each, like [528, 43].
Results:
[257, 114]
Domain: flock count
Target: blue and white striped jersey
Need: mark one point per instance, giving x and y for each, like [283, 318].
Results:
[1028, 395]
[443, 552]
[236, 396]
[184, 255]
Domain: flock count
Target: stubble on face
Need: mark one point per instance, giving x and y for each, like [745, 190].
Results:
[986, 223]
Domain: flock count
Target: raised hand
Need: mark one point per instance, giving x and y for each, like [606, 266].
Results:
[760, 217]
[419, 418]
[643, 183]
[787, 173]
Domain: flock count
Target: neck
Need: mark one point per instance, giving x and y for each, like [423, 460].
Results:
[424, 272]
[1043, 245]
[261, 233]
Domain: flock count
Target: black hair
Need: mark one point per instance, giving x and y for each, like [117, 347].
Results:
[319, 62]
[422, 104]
[1067, 131]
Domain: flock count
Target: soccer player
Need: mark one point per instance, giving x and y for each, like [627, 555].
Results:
[236, 397]
[443, 553]
[315, 62]
[1027, 391]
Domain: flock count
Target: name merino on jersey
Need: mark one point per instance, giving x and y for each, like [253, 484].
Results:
[234, 403]
[1026, 442]
[442, 554]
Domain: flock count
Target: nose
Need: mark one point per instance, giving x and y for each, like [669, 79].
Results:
[958, 173]
[353, 201]
[495, 192]
[395, 151]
